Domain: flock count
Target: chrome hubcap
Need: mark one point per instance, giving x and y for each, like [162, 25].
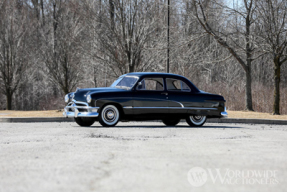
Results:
[197, 120]
[110, 114]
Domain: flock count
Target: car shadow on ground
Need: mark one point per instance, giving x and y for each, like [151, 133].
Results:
[165, 127]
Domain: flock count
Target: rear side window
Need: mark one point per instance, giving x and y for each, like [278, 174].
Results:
[151, 84]
[177, 85]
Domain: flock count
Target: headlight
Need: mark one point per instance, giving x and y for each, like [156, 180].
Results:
[67, 98]
[89, 99]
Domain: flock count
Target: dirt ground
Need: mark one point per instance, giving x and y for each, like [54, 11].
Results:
[142, 156]
[58, 113]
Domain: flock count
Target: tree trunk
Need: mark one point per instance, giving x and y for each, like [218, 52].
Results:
[248, 93]
[112, 13]
[276, 104]
[9, 101]
[248, 88]
[131, 68]
[43, 14]
[95, 77]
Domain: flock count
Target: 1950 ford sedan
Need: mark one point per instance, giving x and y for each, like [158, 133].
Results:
[144, 96]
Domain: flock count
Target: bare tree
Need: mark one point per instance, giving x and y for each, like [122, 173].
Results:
[272, 24]
[14, 28]
[62, 51]
[243, 54]
[38, 7]
[123, 34]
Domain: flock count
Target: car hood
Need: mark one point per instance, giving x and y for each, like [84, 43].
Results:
[81, 94]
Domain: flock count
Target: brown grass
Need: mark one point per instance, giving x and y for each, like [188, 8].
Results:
[254, 115]
[55, 113]
[51, 113]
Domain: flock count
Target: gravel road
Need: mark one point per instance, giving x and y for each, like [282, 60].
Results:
[142, 156]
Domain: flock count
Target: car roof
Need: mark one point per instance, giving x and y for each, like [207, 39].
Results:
[166, 75]
[140, 74]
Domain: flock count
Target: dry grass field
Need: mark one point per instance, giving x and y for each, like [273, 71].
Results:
[12, 113]
[57, 113]
[254, 115]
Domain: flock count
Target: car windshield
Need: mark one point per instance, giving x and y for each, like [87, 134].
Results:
[117, 81]
[125, 82]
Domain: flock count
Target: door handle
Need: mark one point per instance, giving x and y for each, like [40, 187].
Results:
[164, 93]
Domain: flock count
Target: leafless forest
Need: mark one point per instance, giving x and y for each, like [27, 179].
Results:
[236, 48]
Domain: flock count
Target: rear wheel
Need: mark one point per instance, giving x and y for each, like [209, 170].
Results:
[196, 121]
[109, 116]
[170, 122]
[84, 121]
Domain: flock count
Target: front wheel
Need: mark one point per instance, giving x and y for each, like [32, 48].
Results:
[196, 121]
[109, 116]
[170, 122]
[84, 121]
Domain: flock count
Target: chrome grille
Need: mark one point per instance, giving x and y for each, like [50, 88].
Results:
[81, 106]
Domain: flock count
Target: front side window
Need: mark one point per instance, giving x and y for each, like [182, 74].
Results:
[176, 85]
[151, 84]
[126, 82]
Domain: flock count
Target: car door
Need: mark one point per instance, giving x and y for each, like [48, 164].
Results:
[182, 100]
[180, 96]
[150, 97]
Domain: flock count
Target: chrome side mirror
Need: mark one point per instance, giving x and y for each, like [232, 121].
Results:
[139, 86]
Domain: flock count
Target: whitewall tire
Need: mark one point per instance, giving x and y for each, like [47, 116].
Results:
[196, 121]
[109, 116]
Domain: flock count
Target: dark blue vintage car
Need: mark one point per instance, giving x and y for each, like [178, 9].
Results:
[144, 96]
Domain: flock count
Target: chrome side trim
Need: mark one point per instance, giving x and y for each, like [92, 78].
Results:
[193, 108]
[200, 108]
[154, 107]
[128, 107]
[178, 103]
[131, 98]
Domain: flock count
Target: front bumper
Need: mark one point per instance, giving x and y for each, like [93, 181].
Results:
[80, 109]
[224, 113]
